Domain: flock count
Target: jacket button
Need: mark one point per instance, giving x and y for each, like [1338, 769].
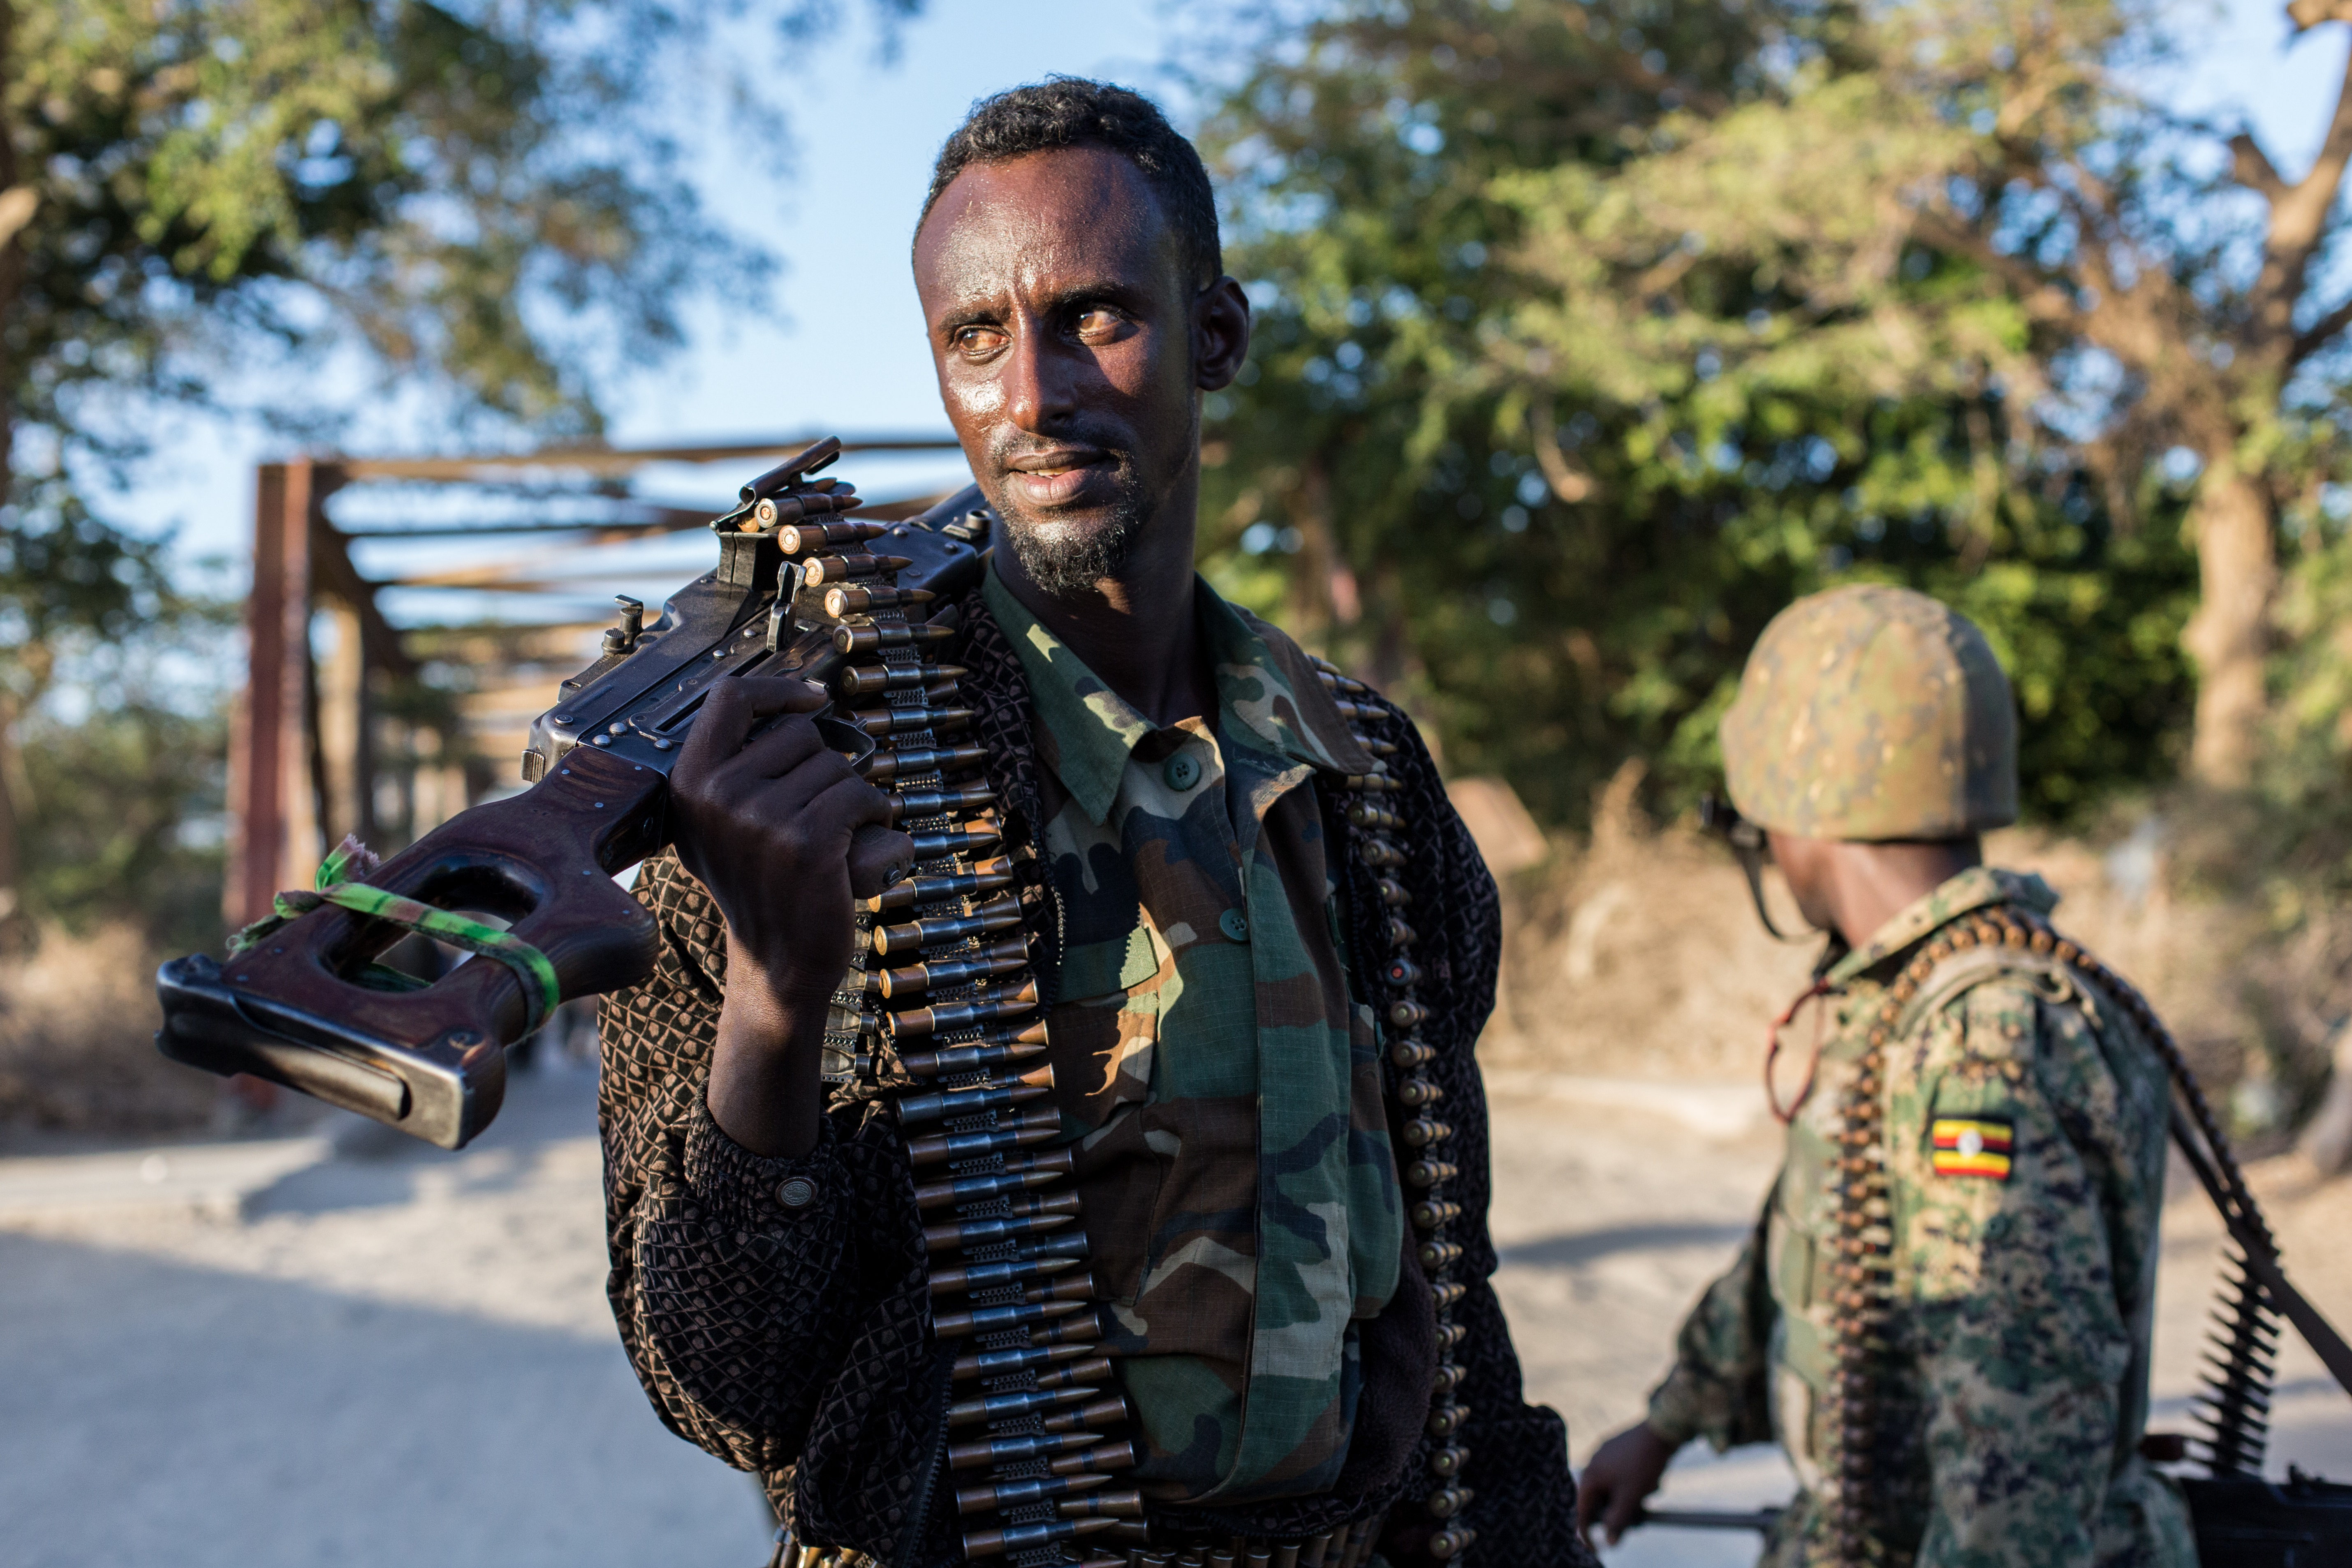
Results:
[1235, 924]
[1183, 770]
[794, 1191]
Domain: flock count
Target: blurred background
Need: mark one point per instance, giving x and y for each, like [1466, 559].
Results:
[374, 345]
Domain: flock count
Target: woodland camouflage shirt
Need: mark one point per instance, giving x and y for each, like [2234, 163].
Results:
[1219, 1078]
[2025, 1138]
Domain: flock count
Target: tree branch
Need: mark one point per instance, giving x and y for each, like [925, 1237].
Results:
[2043, 300]
[2314, 338]
[2310, 14]
[2252, 167]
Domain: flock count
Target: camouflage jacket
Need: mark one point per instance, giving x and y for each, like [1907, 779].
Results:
[1214, 1062]
[796, 1342]
[2025, 1123]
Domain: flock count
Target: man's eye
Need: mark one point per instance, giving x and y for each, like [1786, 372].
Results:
[1099, 322]
[977, 340]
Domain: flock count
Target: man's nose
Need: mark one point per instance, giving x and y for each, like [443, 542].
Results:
[1039, 380]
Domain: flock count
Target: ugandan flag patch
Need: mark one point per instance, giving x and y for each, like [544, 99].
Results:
[1971, 1146]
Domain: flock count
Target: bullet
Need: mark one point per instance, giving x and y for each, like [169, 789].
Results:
[1429, 1172]
[865, 679]
[906, 762]
[1013, 1494]
[1007, 1001]
[1030, 1537]
[1448, 1460]
[1090, 1374]
[911, 803]
[1013, 1407]
[1034, 1170]
[802, 538]
[1126, 1503]
[1423, 1130]
[1372, 783]
[1359, 712]
[913, 979]
[1444, 1420]
[1452, 1542]
[996, 1320]
[1363, 813]
[983, 1364]
[1118, 1455]
[996, 915]
[1448, 1378]
[1025, 1131]
[1406, 1015]
[1013, 1450]
[1448, 1292]
[819, 570]
[1401, 972]
[1378, 852]
[916, 1109]
[1392, 892]
[1411, 1054]
[988, 876]
[1401, 935]
[865, 598]
[1429, 1215]
[1037, 1216]
[1450, 1335]
[872, 638]
[1415, 1091]
[956, 1061]
[962, 838]
[1101, 1413]
[1009, 1271]
[878, 721]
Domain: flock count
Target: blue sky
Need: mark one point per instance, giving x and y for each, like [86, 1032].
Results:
[842, 351]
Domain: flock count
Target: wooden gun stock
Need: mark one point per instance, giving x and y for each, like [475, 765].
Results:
[303, 1006]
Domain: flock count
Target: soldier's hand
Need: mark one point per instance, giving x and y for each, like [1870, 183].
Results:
[785, 834]
[1621, 1473]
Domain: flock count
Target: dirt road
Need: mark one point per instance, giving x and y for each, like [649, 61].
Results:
[395, 1356]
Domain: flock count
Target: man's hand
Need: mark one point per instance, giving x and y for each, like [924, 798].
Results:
[1620, 1474]
[771, 825]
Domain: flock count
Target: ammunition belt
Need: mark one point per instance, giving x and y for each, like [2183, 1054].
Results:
[2233, 1409]
[1349, 1546]
[940, 1016]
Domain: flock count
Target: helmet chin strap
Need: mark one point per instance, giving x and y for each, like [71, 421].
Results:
[1752, 861]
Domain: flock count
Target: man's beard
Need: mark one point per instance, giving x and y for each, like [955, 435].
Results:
[1067, 558]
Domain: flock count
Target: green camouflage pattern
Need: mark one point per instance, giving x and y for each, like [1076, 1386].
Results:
[1219, 1078]
[1871, 712]
[2014, 1383]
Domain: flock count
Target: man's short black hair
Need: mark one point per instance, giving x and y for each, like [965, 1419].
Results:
[1071, 112]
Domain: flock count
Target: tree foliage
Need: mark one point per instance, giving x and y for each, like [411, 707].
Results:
[1591, 334]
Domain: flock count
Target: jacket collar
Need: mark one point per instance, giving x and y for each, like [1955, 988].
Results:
[1977, 888]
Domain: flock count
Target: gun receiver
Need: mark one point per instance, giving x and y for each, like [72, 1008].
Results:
[300, 1007]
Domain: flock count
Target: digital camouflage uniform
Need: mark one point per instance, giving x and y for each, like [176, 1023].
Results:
[1223, 1084]
[2022, 1121]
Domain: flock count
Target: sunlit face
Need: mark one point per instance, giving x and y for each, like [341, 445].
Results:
[1804, 864]
[1063, 331]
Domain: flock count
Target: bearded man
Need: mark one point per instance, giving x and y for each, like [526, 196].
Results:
[1298, 1389]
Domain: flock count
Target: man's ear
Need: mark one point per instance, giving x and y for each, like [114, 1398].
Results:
[1221, 330]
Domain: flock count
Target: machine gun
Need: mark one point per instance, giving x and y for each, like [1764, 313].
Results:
[302, 1001]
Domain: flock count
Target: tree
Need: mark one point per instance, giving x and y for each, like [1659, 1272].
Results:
[1977, 203]
[1546, 485]
[478, 197]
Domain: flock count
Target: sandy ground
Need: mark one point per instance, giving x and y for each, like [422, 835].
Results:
[396, 1356]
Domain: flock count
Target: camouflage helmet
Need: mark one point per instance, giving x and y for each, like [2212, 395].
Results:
[1871, 712]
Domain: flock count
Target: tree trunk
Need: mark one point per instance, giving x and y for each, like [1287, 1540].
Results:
[2229, 637]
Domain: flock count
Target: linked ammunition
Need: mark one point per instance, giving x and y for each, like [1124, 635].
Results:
[1448, 1460]
[1005, 1495]
[1013, 1407]
[1401, 972]
[913, 979]
[1378, 853]
[1429, 1172]
[1015, 1449]
[1025, 1131]
[1401, 935]
[1118, 1455]
[1032, 1215]
[1436, 1255]
[995, 1319]
[886, 765]
[1365, 814]
[996, 915]
[1423, 1130]
[1447, 1501]
[1434, 1213]
[963, 838]
[1444, 1420]
[903, 721]
[1392, 892]
[868, 637]
[866, 680]
[1403, 1014]
[819, 570]
[982, 1365]
[1411, 1054]
[988, 876]
[918, 1021]
[909, 804]
[1009, 1271]
[1014, 1538]
[1415, 1092]
[1452, 1542]
[1034, 1170]
[866, 597]
[803, 538]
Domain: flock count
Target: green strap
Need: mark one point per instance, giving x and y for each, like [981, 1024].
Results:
[541, 990]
